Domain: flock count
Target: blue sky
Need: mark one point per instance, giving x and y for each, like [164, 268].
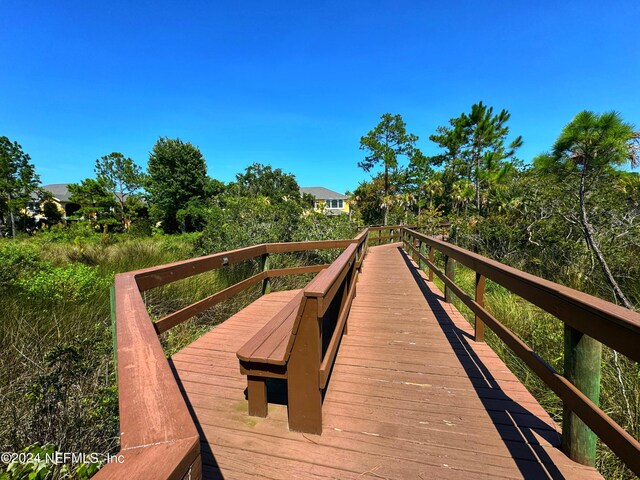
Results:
[295, 84]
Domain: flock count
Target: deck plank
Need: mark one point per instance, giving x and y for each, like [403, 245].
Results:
[411, 396]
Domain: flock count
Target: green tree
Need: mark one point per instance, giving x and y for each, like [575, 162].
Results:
[486, 135]
[476, 148]
[384, 144]
[433, 186]
[366, 199]
[97, 204]
[587, 150]
[420, 171]
[18, 180]
[177, 180]
[122, 178]
[51, 210]
[263, 181]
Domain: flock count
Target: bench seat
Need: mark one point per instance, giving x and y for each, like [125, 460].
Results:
[266, 354]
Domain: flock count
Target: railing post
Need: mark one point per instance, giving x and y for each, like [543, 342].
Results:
[479, 324]
[432, 258]
[304, 394]
[114, 338]
[266, 264]
[582, 362]
[419, 253]
[450, 273]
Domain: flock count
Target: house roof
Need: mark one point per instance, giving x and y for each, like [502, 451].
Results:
[59, 191]
[322, 193]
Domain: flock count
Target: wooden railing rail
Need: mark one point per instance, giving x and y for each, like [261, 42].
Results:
[158, 437]
[615, 326]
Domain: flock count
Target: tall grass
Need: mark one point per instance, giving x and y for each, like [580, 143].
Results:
[57, 379]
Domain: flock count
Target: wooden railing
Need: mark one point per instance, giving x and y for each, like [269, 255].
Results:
[585, 317]
[322, 310]
[158, 438]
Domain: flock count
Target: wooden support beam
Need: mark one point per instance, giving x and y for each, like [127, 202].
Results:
[266, 283]
[582, 363]
[479, 324]
[432, 259]
[420, 251]
[304, 394]
[114, 342]
[257, 396]
[450, 273]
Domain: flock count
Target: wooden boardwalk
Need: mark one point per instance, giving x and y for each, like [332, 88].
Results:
[411, 396]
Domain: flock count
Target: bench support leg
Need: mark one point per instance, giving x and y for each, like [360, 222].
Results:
[305, 396]
[257, 396]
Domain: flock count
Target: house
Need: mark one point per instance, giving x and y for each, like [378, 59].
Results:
[326, 200]
[60, 196]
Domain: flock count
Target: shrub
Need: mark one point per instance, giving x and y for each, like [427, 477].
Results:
[14, 258]
[70, 283]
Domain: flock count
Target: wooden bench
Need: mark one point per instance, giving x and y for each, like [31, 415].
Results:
[290, 345]
[266, 354]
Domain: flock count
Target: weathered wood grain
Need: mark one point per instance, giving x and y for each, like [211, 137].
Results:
[410, 396]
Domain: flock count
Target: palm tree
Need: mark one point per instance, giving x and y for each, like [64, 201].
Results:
[588, 147]
[462, 192]
[406, 200]
[387, 201]
[432, 187]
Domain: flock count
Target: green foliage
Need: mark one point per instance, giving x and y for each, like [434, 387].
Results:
[583, 160]
[37, 468]
[177, 177]
[366, 199]
[123, 179]
[68, 284]
[18, 180]
[263, 181]
[475, 150]
[74, 232]
[594, 142]
[318, 226]
[52, 212]
[245, 221]
[96, 202]
[16, 258]
[384, 144]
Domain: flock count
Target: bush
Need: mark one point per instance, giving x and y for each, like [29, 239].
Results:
[70, 283]
[75, 232]
[14, 258]
[246, 221]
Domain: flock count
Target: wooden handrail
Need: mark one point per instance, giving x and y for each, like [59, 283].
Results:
[611, 324]
[158, 437]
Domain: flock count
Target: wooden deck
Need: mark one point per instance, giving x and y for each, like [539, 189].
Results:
[411, 396]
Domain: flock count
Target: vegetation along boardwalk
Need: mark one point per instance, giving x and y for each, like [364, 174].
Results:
[410, 396]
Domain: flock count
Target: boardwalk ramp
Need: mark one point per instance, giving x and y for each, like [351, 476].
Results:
[411, 395]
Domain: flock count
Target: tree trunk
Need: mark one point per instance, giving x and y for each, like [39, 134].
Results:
[11, 217]
[386, 192]
[477, 162]
[13, 223]
[592, 244]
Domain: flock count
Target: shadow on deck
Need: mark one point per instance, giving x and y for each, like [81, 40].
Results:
[411, 395]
